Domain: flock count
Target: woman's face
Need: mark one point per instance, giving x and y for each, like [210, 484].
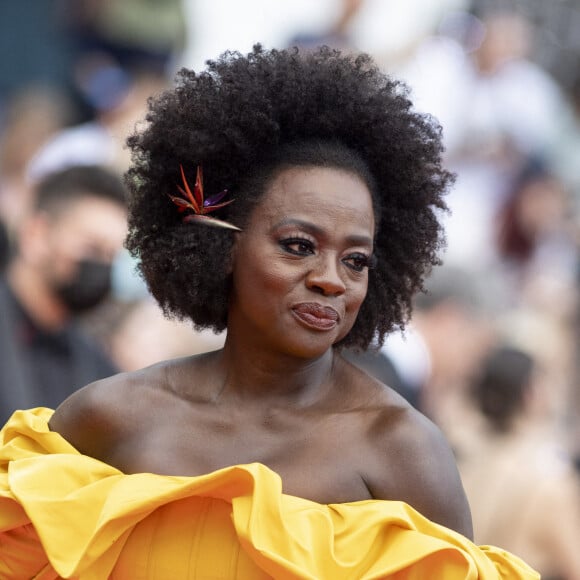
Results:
[300, 269]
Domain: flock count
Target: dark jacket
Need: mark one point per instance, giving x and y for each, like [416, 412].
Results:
[41, 369]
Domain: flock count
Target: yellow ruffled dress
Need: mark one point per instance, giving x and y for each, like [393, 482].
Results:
[66, 515]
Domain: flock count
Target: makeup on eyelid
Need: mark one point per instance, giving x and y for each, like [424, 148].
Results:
[361, 259]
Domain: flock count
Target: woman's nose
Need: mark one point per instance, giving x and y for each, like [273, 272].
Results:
[325, 278]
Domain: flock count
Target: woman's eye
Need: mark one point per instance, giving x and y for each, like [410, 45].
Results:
[357, 262]
[298, 246]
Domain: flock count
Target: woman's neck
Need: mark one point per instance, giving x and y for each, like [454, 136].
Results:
[270, 376]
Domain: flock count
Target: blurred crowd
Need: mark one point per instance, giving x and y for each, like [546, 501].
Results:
[491, 353]
[74, 82]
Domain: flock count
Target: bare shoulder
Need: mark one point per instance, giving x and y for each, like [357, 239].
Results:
[407, 458]
[415, 461]
[100, 415]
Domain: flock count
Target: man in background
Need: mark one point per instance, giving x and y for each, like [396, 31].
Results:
[61, 268]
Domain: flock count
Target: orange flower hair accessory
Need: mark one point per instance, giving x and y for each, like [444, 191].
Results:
[195, 202]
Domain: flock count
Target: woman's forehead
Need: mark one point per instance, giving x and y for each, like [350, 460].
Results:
[315, 189]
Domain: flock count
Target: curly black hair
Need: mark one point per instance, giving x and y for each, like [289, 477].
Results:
[243, 119]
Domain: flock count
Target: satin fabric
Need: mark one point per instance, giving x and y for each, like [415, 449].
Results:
[66, 515]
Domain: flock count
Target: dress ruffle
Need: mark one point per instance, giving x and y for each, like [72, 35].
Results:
[67, 515]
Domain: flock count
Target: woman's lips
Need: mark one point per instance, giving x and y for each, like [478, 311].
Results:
[316, 316]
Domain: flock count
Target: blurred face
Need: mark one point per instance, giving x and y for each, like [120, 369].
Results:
[300, 268]
[89, 230]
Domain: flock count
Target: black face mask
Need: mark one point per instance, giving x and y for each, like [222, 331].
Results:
[89, 286]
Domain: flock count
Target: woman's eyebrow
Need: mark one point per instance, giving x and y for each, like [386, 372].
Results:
[315, 230]
[302, 224]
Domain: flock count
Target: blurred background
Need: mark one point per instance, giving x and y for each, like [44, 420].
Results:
[492, 352]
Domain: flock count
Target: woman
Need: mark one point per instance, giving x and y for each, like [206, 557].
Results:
[265, 458]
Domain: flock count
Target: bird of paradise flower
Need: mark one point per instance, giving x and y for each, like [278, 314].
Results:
[200, 206]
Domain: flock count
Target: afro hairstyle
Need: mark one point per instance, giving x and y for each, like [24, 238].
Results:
[245, 118]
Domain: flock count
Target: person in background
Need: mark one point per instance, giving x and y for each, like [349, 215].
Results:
[536, 242]
[61, 269]
[444, 342]
[100, 141]
[523, 490]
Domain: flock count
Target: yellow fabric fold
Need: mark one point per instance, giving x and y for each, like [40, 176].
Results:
[90, 520]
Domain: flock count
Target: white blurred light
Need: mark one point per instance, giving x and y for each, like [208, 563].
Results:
[382, 25]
